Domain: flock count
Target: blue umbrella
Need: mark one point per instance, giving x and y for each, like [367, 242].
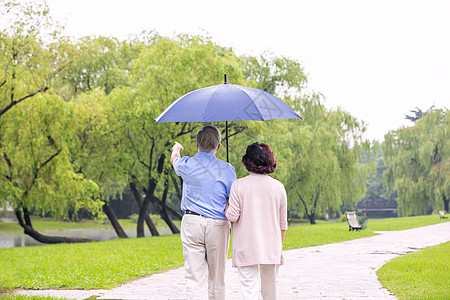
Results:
[226, 102]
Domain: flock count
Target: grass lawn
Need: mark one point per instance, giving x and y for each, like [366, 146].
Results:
[402, 223]
[419, 275]
[91, 265]
[320, 234]
[102, 265]
[48, 224]
[23, 297]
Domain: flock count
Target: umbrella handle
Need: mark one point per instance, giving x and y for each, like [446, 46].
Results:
[226, 123]
[226, 134]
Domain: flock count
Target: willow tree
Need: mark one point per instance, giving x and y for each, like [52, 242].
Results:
[32, 52]
[97, 62]
[37, 173]
[274, 74]
[419, 163]
[323, 166]
[35, 124]
[93, 150]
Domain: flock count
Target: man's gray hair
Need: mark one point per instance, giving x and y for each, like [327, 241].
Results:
[208, 139]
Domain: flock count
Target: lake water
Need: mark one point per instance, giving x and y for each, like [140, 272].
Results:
[19, 239]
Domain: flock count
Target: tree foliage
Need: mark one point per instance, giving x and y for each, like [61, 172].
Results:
[418, 113]
[323, 169]
[97, 62]
[419, 163]
[30, 55]
[273, 74]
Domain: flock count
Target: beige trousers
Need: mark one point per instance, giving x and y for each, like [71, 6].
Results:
[249, 280]
[205, 248]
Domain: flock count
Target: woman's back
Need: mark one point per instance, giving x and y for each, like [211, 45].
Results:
[258, 208]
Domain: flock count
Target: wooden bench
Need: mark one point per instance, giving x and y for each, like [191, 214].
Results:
[442, 215]
[353, 221]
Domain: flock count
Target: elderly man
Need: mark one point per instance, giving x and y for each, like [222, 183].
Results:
[205, 230]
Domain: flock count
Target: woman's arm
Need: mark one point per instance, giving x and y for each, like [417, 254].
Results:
[233, 209]
[283, 212]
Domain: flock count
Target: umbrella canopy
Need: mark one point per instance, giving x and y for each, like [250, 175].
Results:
[226, 102]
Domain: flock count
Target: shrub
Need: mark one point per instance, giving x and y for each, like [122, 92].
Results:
[134, 218]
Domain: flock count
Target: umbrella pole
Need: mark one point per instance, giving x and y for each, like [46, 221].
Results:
[226, 122]
[226, 137]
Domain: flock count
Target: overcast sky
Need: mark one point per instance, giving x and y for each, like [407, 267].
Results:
[375, 59]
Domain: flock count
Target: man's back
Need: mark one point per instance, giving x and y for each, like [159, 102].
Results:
[206, 184]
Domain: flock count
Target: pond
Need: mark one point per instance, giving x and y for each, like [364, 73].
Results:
[19, 239]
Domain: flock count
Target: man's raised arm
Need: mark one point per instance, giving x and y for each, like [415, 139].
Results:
[176, 152]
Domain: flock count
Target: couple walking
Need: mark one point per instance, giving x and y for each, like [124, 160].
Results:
[212, 197]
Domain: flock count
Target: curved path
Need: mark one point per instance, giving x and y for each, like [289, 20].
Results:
[344, 270]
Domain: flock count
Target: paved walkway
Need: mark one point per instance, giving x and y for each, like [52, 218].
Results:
[344, 270]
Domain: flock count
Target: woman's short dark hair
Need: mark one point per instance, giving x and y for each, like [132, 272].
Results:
[259, 158]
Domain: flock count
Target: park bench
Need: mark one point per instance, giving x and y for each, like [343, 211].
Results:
[352, 221]
[442, 215]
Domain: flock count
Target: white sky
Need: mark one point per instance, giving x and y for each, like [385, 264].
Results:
[375, 59]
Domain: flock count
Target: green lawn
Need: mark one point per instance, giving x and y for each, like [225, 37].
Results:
[320, 234]
[47, 224]
[402, 223]
[23, 297]
[419, 275]
[106, 264]
[91, 265]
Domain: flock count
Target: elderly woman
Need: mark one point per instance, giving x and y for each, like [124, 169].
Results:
[258, 209]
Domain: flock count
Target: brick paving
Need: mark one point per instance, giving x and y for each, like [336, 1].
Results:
[345, 270]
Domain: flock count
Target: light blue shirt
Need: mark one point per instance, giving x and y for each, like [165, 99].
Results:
[206, 184]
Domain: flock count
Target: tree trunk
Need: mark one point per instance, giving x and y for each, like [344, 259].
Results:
[312, 219]
[176, 214]
[169, 221]
[148, 220]
[152, 183]
[161, 208]
[143, 215]
[311, 216]
[113, 219]
[25, 223]
[178, 188]
[165, 215]
[446, 203]
[179, 192]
